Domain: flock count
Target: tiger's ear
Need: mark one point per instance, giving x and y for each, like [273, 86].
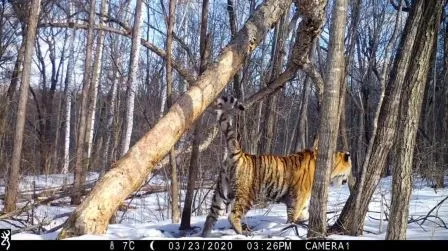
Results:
[315, 143]
[346, 156]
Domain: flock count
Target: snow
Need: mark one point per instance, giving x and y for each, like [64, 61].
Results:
[146, 217]
[29, 183]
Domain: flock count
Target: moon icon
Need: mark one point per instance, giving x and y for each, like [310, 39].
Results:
[151, 245]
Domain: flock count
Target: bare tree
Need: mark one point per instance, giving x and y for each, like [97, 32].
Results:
[81, 149]
[328, 129]
[132, 78]
[268, 128]
[301, 128]
[95, 84]
[194, 159]
[233, 30]
[68, 98]
[444, 120]
[16, 74]
[312, 14]
[13, 179]
[171, 20]
[410, 108]
[351, 219]
[20, 9]
[108, 145]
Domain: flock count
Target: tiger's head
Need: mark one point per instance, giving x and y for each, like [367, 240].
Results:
[342, 169]
[227, 106]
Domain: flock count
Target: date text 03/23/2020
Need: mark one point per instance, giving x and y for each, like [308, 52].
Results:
[274, 245]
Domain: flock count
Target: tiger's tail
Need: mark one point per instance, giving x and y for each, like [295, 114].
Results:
[219, 203]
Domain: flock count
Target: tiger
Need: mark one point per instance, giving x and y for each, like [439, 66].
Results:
[245, 177]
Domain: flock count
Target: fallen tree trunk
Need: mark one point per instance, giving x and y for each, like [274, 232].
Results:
[60, 191]
[127, 174]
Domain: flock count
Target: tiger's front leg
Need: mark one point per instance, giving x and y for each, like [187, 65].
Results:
[300, 208]
[239, 210]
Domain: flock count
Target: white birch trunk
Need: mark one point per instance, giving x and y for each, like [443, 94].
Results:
[68, 106]
[163, 101]
[133, 66]
[68, 98]
[95, 81]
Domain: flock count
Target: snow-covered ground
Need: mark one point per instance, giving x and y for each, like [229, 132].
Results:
[146, 216]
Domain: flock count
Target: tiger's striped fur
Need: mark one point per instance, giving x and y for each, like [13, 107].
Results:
[244, 177]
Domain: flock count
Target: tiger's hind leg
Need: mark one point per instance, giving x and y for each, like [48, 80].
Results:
[289, 200]
[216, 208]
[219, 203]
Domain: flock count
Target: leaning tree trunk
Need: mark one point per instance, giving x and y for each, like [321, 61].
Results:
[194, 159]
[132, 79]
[410, 109]
[81, 153]
[131, 170]
[351, 219]
[13, 177]
[328, 129]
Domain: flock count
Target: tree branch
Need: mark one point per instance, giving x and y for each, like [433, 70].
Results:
[306, 34]
[182, 44]
[403, 8]
[185, 73]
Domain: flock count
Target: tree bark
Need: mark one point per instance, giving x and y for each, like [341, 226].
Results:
[268, 128]
[302, 132]
[81, 149]
[233, 29]
[42, 109]
[13, 177]
[410, 109]
[171, 20]
[328, 129]
[108, 147]
[67, 95]
[4, 106]
[49, 138]
[445, 102]
[54, 158]
[131, 170]
[95, 84]
[194, 159]
[351, 219]
[131, 83]
[312, 15]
